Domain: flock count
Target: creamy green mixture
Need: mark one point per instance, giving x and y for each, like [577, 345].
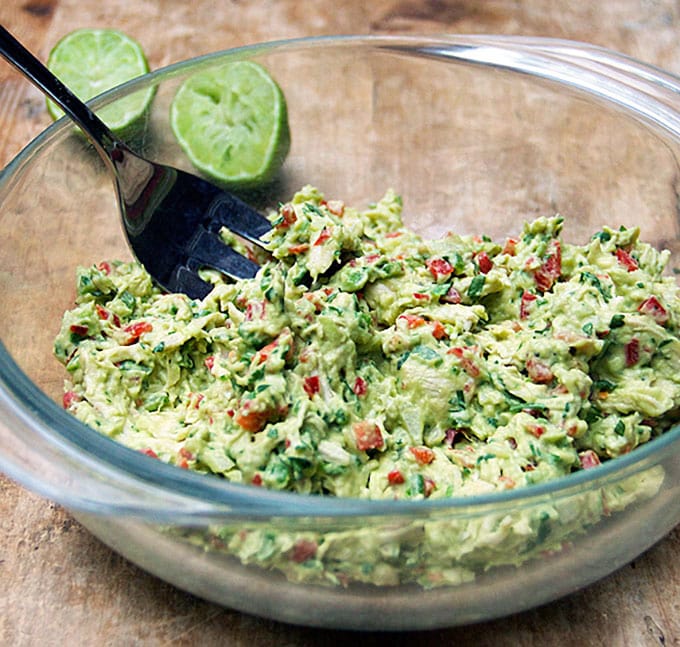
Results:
[364, 361]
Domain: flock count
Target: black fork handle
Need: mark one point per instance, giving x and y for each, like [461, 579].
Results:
[16, 54]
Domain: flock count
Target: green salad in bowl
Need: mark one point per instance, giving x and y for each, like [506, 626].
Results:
[364, 361]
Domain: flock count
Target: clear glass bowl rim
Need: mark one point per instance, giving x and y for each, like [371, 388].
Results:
[645, 92]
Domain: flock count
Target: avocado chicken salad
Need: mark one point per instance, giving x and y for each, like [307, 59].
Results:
[364, 361]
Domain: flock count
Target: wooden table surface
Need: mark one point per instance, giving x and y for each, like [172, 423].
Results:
[60, 585]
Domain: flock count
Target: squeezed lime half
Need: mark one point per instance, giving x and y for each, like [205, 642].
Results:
[91, 61]
[232, 123]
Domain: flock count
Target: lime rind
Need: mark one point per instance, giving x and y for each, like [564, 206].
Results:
[232, 123]
[92, 61]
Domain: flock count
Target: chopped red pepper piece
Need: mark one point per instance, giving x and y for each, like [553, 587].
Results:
[429, 487]
[69, 398]
[538, 371]
[323, 236]
[438, 330]
[510, 247]
[149, 452]
[367, 435]
[263, 354]
[135, 331]
[452, 296]
[536, 430]
[105, 315]
[654, 309]
[312, 385]
[423, 455]
[257, 479]
[470, 367]
[336, 207]
[546, 275]
[298, 249]
[412, 321]
[104, 268]
[439, 268]
[484, 262]
[395, 477]
[527, 298]
[466, 363]
[360, 386]
[252, 420]
[303, 549]
[288, 216]
[632, 351]
[184, 457]
[626, 260]
[589, 459]
[572, 430]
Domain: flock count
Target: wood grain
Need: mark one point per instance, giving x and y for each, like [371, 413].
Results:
[59, 585]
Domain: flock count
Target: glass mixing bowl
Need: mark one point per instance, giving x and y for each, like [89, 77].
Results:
[477, 134]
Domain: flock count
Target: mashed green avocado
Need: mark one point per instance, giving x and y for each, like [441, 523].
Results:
[363, 361]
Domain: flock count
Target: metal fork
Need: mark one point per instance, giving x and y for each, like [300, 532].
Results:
[171, 218]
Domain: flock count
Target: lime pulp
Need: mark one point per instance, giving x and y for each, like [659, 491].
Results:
[232, 123]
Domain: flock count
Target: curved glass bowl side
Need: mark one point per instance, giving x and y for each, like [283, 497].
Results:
[398, 574]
